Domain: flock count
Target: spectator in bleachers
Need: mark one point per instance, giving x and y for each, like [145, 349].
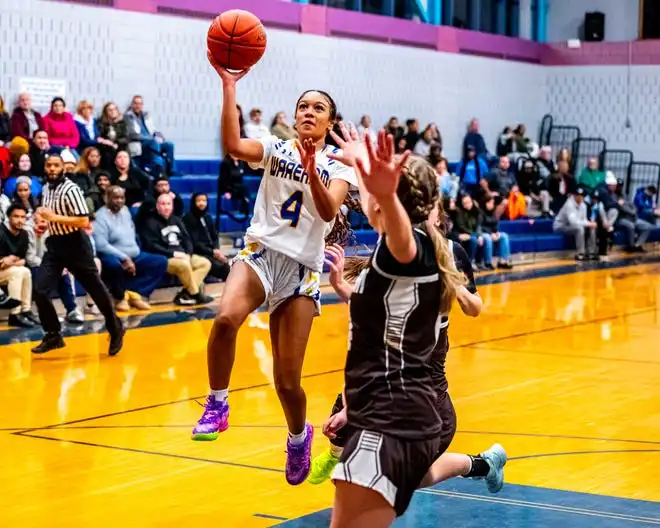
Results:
[255, 128]
[85, 176]
[164, 234]
[505, 142]
[231, 185]
[39, 149]
[448, 183]
[22, 170]
[423, 146]
[364, 129]
[60, 126]
[591, 176]
[70, 162]
[468, 228]
[24, 120]
[22, 195]
[241, 120]
[392, 127]
[572, 219]
[113, 134]
[532, 186]
[409, 140]
[474, 139]
[435, 154]
[5, 202]
[521, 142]
[560, 185]
[87, 124]
[204, 236]
[281, 128]
[146, 142]
[471, 170]
[5, 125]
[545, 163]
[637, 230]
[37, 230]
[645, 202]
[130, 178]
[564, 155]
[125, 267]
[103, 181]
[14, 274]
[494, 239]
[501, 181]
[516, 205]
[161, 186]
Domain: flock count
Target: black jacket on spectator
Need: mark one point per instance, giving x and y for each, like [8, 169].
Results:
[560, 186]
[137, 185]
[148, 208]
[121, 132]
[529, 181]
[5, 127]
[489, 222]
[38, 160]
[468, 221]
[231, 176]
[202, 230]
[10, 244]
[165, 236]
[627, 211]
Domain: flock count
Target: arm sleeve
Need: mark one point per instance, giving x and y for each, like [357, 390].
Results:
[339, 171]
[463, 264]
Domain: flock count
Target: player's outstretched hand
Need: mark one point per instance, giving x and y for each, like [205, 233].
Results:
[227, 76]
[381, 178]
[351, 144]
[307, 151]
[335, 423]
[335, 260]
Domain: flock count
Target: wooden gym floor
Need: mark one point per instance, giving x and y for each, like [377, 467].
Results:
[563, 369]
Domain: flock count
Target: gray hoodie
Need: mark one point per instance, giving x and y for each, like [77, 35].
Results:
[571, 216]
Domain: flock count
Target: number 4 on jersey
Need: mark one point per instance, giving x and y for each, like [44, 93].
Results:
[291, 208]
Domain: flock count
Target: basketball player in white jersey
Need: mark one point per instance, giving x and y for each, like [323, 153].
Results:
[299, 197]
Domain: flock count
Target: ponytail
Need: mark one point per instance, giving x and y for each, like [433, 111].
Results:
[450, 277]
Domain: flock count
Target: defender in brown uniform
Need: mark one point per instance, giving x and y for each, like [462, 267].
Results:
[390, 393]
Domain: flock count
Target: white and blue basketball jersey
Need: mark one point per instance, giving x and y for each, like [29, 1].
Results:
[285, 218]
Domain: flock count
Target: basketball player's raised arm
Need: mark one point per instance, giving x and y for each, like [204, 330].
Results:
[249, 150]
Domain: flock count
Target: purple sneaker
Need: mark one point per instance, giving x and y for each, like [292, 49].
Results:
[299, 458]
[215, 420]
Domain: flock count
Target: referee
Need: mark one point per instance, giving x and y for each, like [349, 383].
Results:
[66, 212]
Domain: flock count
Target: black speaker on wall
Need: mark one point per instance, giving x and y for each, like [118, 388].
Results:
[594, 26]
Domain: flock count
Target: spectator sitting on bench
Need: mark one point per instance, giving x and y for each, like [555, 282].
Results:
[591, 176]
[39, 150]
[60, 126]
[161, 186]
[560, 185]
[134, 181]
[231, 185]
[645, 202]
[471, 170]
[629, 221]
[129, 273]
[24, 120]
[14, 243]
[572, 220]
[23, 196]
[493, 238]
[531, 184]
[87, 124]
[146, 143]
[22, 169]
[163, 233]
[84, 176]
[468, 228]
[204, 236]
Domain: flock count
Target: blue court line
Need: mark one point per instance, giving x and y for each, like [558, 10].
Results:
[273, 517]
[465, 503]
[186, 315]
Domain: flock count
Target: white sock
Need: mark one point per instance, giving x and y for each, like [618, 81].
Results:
[220, 395]
[297, 439]
[336, 451]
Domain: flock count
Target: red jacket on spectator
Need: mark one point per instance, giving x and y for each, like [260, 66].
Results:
[62, 130]
[5, 162]
[20, 126]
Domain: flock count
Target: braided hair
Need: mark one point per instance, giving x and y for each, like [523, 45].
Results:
[419, 194]
[342, 231]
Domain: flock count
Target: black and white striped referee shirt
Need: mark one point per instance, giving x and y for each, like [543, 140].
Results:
[67, 199]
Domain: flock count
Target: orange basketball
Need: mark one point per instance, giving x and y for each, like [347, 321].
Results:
[236, 39]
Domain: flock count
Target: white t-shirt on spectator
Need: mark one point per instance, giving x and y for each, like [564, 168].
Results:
[285, 218]
[254, 131]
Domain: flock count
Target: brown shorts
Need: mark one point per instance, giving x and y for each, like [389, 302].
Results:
[391, 466]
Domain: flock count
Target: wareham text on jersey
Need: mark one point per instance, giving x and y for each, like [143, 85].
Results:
[291, 170]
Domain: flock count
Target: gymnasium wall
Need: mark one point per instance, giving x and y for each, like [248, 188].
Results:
[566, 17]
[109, 54]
